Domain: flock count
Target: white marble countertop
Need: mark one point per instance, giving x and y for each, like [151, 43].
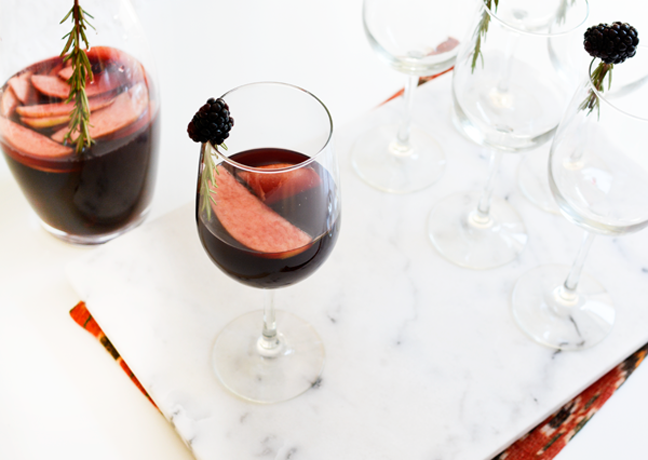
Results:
[62, 395]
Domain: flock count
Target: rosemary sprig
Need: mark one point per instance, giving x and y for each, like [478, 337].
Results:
[207, 178]
[480, 33]
[73, 52]
[210, 126]
[592, 101]
[561, 14]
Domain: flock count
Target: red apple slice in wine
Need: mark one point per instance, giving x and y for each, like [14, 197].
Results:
[66, 72]
[126, 109]
[62, 108]
[9, 102]
[130, 70]
[129, 67]
[21, 87]
[30, 142]
[274, 187]
[54, 86]
[252, 223]
[45, 122]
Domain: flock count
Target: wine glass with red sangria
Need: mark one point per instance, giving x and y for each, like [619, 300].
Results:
[79, 124]
[268, 215]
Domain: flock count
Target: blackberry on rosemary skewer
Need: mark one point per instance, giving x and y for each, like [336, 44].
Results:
[210, 125]
[612, 44]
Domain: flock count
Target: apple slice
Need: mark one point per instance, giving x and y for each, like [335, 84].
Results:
[126, 108]
[56, 69]
[103, 83]
[53, 86]
[129, 68]
[8, 103]
[30, 142]
[274, 187]
[63, 108]
[66, 72]
[108, 54]
[21, 86]
[45, 122]
[252, 223]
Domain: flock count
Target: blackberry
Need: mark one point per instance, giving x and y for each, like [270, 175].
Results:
[613, 44]
[212, 123]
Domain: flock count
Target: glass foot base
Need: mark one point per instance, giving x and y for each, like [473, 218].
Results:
[457, 233]
[387, 166]
[291, 371]
[547, 318]
[534, 182]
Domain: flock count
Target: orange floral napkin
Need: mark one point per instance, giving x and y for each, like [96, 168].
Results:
[83, 318]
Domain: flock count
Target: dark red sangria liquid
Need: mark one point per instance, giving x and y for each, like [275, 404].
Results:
[306, 210]
[87, 198]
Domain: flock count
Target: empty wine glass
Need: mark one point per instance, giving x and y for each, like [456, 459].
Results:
[598, 173]
[567, 57]
[268, 215]
[417, 38]
[533, 181]
[507, 98]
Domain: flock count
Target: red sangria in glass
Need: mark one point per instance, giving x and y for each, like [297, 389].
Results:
[268, 215]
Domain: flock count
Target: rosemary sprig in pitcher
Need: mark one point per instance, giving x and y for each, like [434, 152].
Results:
[82, 70]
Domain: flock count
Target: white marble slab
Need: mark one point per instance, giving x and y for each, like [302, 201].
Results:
[424, 360]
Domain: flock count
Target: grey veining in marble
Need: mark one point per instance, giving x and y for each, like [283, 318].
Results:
[424, 360]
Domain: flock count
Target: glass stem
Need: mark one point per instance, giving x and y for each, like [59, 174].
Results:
[408, 99]
[571, 283]
[269, 344]
[483, 208]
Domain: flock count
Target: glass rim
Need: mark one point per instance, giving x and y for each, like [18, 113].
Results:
[414, 66]
[500, 21]
[260, 170]
[601, 95]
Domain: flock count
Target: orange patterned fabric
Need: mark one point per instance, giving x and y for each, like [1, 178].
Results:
[549, 437]
[420, 82]
[83, 318]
